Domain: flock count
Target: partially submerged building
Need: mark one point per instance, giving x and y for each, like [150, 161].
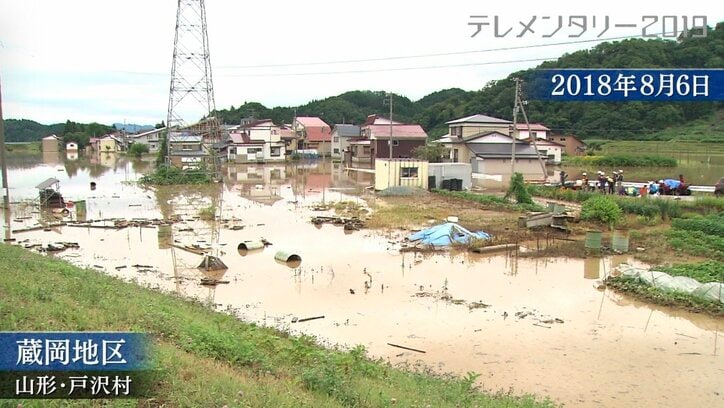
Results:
[257, 141]
[151, 138]
[51, 143]
[186, 150]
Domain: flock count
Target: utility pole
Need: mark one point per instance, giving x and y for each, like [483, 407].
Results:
[390, 141]
[535, 145]
[6, 191]
[294, 128]
[512, 128]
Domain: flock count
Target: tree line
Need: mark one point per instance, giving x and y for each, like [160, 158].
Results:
[602, 120]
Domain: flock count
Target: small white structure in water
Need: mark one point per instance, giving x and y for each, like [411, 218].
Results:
[400, 173]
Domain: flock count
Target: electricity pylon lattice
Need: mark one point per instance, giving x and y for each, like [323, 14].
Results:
[191, 95]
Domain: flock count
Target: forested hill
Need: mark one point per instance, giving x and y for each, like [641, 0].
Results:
[24, 130]
[585, 119]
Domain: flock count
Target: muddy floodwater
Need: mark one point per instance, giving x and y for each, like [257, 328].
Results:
[530, 325]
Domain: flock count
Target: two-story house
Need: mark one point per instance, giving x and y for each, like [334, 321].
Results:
[342, 134]
[257, 141]
[152, 139]
[313, 134]
[485, 143]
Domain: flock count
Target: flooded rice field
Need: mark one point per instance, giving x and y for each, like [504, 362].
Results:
[531, 325]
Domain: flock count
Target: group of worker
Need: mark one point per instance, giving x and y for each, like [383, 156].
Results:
[613, 184]
[606, 184]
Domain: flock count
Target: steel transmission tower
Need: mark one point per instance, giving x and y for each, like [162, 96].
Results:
[191, 95]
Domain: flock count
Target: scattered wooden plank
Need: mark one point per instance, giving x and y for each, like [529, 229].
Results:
[306, 319]
[406, 348]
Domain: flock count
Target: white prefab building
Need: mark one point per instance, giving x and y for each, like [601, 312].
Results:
[400, 173]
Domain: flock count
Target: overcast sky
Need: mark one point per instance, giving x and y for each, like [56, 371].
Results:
[110, 61]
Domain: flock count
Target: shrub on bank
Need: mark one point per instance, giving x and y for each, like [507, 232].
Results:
[170, 175]
[602, 209]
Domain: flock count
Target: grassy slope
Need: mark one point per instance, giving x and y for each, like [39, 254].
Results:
[206, 358]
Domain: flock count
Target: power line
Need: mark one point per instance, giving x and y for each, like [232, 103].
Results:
[395, 58]
[361, 71]
[439, 54]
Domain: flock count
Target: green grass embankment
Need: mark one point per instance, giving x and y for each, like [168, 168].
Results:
[209, 359]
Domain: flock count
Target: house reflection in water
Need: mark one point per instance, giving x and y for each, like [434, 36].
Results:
[51, 157]
[258, 183]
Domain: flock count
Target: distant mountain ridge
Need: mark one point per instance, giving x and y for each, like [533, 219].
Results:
[132, 127]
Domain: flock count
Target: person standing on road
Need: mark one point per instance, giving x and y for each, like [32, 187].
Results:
[619, 180]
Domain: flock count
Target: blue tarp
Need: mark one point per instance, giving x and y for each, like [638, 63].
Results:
[446, 234]
[672, 184]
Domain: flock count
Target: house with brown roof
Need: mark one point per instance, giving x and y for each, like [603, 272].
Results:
[573, 145]
[256, 141]
[314, 134]
[404, 139]
[536, 130]
[378, 135]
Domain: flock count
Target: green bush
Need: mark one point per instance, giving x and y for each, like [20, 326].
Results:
[138, 149]
[643, 206]
[518, 190]
[602, 209]
[169, 175]
[434, 152]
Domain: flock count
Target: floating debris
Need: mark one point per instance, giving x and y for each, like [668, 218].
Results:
[306, 319]
[212, 263]
[407, 348]
[349, 224]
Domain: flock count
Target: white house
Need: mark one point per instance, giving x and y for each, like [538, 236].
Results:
[551, 151]
[536, 130]
[258, 141]
[152, 139]
[71, 147]
[341, 136]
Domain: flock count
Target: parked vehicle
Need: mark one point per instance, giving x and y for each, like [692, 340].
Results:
[719, 188]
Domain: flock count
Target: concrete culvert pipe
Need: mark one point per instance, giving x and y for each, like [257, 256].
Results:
[285, 256]
[250, 245]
